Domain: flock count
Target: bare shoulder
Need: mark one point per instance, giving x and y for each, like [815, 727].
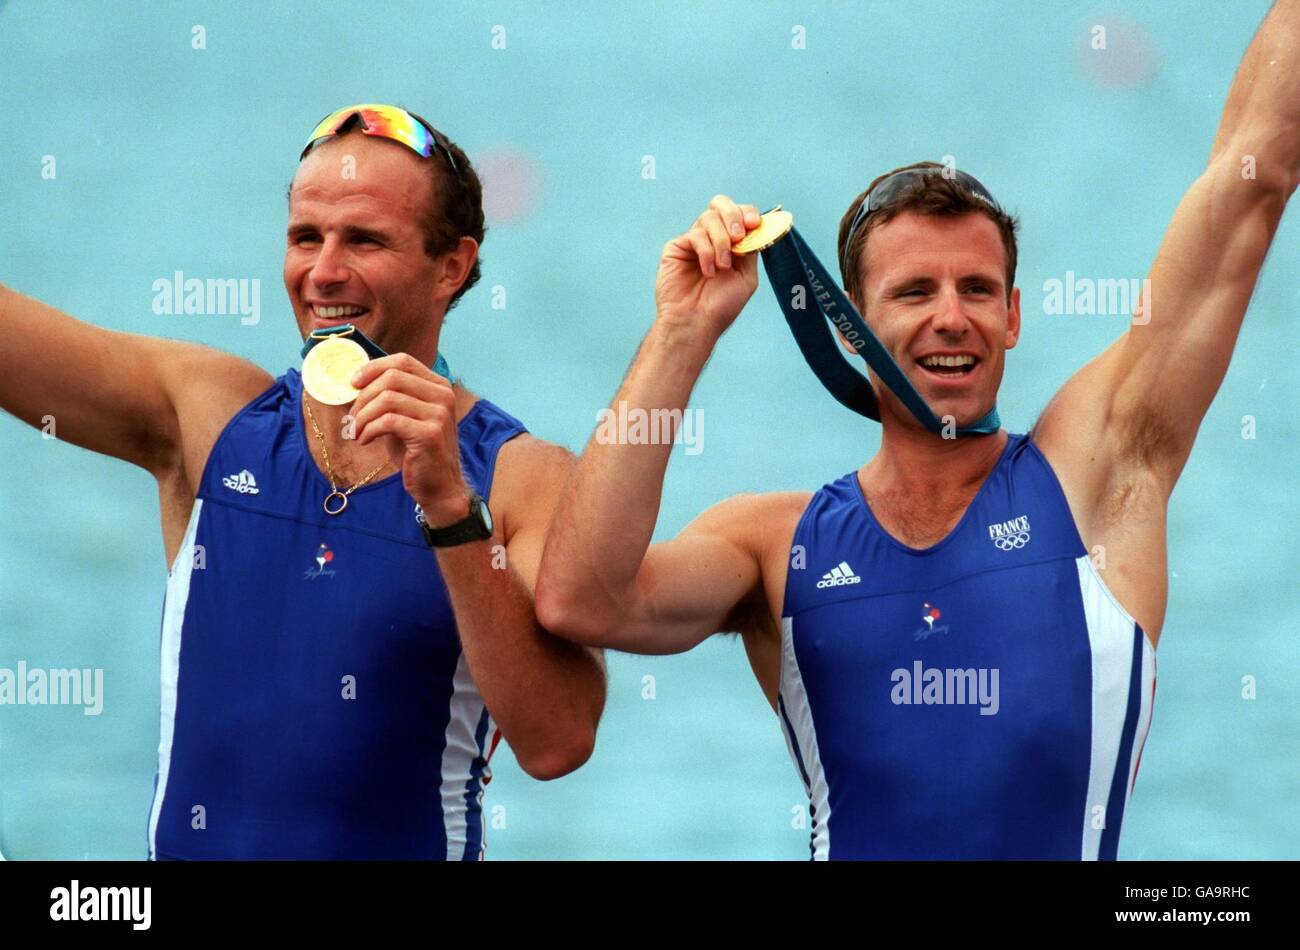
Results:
[755, 521]
[195, 373]
[207, 388]
[528, 458]
[762, 524]
[529, 475]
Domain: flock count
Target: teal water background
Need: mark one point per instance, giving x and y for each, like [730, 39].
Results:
[173, 158]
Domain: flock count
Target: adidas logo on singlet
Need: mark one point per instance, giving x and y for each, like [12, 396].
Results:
[839, 576]
[244, 483]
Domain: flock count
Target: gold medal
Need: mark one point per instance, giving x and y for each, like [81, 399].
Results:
[772, 226]
[328, 367]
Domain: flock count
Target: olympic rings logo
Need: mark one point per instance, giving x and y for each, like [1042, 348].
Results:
[1010, 542]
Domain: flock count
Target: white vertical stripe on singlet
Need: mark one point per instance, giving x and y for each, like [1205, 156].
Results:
[174, 602]
[1110, 639]
[465, 710]
[1144, 714]
[486, 777]
[801, 740]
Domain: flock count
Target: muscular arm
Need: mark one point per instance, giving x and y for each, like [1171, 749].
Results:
[1135, 410]
[546, 694]
[104, 389]
[119, 394]
[601, 581]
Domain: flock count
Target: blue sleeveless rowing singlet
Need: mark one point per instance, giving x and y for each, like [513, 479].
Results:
[986, 697]
[315, 699]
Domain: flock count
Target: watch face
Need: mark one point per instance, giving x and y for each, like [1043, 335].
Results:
[486, 516]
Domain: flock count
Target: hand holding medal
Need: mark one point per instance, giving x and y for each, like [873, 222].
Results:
[706, 276]
[400, 400]
[413, 410]
[772, 226]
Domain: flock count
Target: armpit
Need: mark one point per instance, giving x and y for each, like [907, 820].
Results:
[750, 617]
[1150, 440]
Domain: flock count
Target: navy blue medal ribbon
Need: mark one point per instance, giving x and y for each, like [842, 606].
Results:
[791, 264]
[373, 349]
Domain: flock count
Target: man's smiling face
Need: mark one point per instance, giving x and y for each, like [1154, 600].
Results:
[355, 250]
[935, 293]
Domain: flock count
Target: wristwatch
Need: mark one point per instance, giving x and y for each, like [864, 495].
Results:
[476, 526]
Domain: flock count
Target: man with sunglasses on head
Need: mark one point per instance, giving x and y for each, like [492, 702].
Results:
[953, 676]
[347, 631]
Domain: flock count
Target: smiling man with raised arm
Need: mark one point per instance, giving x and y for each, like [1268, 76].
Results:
[331, 687]
[953, 675]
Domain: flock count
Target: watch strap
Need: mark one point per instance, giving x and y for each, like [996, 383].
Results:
[472, 527]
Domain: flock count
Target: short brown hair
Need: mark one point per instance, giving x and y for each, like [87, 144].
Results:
[935, 194]
[456, 211]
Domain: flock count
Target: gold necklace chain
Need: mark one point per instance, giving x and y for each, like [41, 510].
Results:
[342, 496]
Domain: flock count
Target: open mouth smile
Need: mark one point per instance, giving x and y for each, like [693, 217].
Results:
[336, 313]
[949, 366]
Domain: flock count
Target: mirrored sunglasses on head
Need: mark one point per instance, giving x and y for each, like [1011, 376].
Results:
[388, 122]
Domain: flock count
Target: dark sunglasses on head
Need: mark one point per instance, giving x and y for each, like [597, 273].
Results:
[892, 187]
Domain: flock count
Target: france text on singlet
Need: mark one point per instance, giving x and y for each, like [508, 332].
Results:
[986, 697]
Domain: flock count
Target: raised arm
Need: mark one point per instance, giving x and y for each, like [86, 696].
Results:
[1137, 407]
[120, 394]
[601, 583]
